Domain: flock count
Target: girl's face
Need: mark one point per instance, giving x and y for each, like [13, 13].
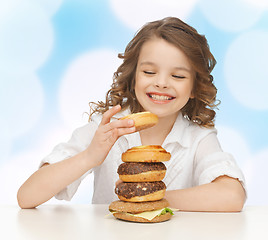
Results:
[164, 78]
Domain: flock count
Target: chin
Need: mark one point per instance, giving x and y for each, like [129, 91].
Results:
[168, 117]
[161, 110]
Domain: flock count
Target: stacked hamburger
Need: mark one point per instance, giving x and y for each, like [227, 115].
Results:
[142, 191]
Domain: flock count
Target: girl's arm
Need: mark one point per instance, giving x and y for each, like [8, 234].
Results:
[52, 178]
[224, 194]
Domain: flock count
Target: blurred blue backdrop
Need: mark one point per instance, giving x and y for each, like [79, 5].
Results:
[57, 55]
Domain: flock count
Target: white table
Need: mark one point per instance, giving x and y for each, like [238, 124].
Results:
[89, 222]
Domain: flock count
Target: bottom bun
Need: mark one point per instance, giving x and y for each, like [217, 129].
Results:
[137, 207]
[127, 217]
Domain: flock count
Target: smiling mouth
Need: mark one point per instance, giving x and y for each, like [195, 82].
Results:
[158, 97]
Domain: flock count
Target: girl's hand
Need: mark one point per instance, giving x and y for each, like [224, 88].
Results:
[107, 134]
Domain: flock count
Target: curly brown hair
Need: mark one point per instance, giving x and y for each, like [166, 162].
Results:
[200, 109]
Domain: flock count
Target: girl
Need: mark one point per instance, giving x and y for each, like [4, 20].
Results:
[166, 70]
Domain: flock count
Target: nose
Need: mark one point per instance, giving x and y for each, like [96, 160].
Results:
[161, 81]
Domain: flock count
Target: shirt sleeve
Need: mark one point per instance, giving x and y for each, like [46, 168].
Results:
[78, 142]
[211, 162]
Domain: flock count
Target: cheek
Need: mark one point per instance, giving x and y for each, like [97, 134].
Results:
[139, 83]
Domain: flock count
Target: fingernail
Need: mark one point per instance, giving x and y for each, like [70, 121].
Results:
[130, 122]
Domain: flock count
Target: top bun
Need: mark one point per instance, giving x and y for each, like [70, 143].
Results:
[143, 120]
[146, 153]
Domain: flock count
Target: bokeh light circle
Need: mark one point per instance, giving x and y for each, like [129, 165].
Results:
[21, 102]
[26, 37]
[87, 79]
[245, 68]
[230, 15]
[234, 143]
[135, 13]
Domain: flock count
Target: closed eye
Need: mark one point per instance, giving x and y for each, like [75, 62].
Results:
[178, 76]
[148, 72]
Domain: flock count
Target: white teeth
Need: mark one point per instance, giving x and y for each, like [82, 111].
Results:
[160, 97]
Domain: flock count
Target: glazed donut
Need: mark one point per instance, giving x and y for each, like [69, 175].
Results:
[142, 120]
[140, 191]
[141, 172]
[146, 153]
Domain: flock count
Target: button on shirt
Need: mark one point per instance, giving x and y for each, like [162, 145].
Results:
[196, 158]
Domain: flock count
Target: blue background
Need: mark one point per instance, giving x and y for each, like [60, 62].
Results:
[43, 44]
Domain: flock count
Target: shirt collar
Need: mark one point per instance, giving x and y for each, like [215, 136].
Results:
[178, 132]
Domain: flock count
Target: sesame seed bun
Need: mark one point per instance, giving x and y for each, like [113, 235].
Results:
[143, 120]
[121, 210]
[146, 153]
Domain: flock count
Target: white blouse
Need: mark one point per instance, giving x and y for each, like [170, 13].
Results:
[196, 158]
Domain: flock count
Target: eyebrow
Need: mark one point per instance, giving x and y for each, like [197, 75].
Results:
[183, 68]
[153, 64]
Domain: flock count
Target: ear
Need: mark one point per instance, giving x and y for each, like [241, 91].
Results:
[192, 95]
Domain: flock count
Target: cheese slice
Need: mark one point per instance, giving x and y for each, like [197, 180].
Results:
[150, 214]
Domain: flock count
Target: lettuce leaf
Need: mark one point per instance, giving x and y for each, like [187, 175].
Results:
[166, 210]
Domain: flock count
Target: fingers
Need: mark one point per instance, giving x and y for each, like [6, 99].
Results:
[106, 118]
[124, 131]
[107, 125]
[125, 123]
[109, 131]
[115, 133]
[112, 130]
